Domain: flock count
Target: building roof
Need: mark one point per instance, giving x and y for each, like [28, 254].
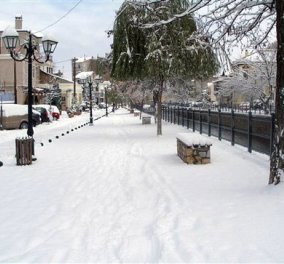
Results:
[56, 76]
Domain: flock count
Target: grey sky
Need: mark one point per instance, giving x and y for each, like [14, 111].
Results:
[81, 32]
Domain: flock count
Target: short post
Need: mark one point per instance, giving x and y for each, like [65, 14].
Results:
[200, 122]
[219, 125]
[187, 119]
[232, 127]
[193, 121]
[249, 131]
[272, 131]
[209, 122]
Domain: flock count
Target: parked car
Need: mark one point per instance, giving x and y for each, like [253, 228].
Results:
[45, 115]
[257, 104]
[102, 105]
[15, 116]
[55, 112]
[36, 117]
[244, 106]
[52, 109]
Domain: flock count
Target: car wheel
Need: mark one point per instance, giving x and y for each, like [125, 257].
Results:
[24, 125]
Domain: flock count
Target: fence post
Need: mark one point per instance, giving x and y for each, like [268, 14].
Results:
[232, 127]
[209, 122]
[200, 122]
[219, 125]
[249, 131]
[174, 115]
[171, 115]
[193, 121]
[187, 118]
[178, 115]
[168, 114]
[272, 131]
[182, 117]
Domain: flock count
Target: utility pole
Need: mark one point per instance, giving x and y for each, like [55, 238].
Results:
[276, 162]
[74, 78]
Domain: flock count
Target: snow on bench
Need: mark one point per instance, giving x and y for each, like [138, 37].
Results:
[136, 112]
[193, 148]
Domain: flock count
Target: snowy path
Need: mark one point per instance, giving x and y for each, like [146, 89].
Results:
[116, 192]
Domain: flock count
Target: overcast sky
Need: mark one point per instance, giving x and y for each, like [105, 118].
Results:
[81, 32]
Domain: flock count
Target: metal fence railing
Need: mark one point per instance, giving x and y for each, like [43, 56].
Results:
[248, 129]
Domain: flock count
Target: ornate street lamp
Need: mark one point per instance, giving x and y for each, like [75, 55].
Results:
[85, 78]
[106, 87]
[11, 40]
[106, 100]
[98, 80]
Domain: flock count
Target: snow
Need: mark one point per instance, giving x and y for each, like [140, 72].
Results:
[52, 108]
[13, 110]
[84, 75]
[116, 192]
[191, 139]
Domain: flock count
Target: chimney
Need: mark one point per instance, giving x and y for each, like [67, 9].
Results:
[18, 22]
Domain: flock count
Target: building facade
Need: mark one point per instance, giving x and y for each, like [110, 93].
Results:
[14, 74]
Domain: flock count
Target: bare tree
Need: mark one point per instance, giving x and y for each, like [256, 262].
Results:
[232, 23]
[253, 77]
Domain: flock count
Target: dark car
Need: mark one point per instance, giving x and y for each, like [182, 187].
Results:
[43, 113]
[15, 116]
[36, 116]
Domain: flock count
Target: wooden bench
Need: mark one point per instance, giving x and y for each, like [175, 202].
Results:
[146, 120]
[193, 148]
[136, 113]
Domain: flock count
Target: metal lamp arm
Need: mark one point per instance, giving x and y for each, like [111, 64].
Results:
[13, 55]
[39, 61]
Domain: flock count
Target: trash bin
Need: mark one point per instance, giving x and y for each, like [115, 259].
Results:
[24, 150]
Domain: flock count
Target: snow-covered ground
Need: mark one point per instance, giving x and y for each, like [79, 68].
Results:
[115, 192]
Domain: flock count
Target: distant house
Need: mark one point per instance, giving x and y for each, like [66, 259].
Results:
[50, 81]
[252, 76]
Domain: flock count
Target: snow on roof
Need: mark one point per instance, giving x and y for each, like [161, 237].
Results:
[14, 109]
[82, 59]
[84, 75]
[191, 139]
[106, 83]
[56, 76]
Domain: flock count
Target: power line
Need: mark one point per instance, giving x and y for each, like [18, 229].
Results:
[56, 62]
[54, 23]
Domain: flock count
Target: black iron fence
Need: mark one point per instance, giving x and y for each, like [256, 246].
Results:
[251, 130]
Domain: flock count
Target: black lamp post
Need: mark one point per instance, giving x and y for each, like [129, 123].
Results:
[106, 101]
[11, 39]
[86, 81]
[107, 87]
[91, 102]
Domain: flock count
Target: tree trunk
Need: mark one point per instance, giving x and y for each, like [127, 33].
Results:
[159, 110]
[275, 159]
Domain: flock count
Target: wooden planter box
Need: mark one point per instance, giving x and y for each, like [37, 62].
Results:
[193, 149]
[24, 151]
